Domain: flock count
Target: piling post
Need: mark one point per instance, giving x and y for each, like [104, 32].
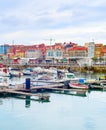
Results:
[28, 84]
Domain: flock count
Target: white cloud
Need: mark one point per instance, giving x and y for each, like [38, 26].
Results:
[78, 21]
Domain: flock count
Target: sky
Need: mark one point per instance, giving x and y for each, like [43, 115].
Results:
[38, 21]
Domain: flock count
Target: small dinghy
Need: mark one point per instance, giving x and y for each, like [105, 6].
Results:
[78, 86]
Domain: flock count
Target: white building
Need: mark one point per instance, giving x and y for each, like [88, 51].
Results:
[54, 54]
[91, 49]
[33, 54]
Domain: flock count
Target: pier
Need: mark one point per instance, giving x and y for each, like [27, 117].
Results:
[38, 91]
[29, 89]
[21, 90]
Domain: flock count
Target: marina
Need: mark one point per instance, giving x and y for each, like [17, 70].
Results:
[32, 87]
[27, 99]
[52, 65]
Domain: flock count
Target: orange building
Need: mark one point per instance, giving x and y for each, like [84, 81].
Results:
[98, 50]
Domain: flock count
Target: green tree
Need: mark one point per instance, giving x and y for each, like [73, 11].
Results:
[94, 59]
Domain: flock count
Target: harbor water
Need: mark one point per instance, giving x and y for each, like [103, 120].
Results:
[62, 112]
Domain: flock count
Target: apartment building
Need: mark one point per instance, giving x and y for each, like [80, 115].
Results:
[98, 50]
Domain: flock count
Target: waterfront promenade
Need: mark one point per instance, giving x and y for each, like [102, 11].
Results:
[73, 65]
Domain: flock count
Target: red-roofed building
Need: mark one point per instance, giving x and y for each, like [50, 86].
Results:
[54, 52]
[42, 49]
[77, 52]
[19, 51]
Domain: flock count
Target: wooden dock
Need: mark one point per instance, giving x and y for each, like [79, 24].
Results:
[20, 90]
[58, 85]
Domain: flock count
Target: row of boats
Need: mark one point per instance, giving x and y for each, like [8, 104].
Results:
[52, 76]
[15, 72]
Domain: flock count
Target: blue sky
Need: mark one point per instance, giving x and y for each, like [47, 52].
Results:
[36, 21]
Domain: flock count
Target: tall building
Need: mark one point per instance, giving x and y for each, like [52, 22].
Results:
[91, 49]
[99, 50]
[4, 48]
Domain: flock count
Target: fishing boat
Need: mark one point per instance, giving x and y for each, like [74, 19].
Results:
[78, 86]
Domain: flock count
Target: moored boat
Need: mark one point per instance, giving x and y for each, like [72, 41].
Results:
[27, 71]
[4, 72]
[103, 84]
[95, 84]
[15, 73]
[4, 82]
[78, 86]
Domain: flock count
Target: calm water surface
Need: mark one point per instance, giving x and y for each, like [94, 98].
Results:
[63, 112]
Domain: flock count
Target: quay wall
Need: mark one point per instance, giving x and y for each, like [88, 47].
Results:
[73, 67]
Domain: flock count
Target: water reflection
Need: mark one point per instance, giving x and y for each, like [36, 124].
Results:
[27, 101]
[44, 97]
[72, 92]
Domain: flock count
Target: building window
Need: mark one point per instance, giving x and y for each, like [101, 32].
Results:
[50, 53]
[58, 53]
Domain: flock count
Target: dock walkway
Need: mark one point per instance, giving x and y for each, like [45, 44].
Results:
[20, 90]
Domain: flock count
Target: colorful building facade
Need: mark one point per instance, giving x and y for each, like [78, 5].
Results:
[98, 50]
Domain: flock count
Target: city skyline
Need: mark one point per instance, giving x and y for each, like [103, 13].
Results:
[36, 21]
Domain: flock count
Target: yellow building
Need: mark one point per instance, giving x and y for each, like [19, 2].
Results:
[17, 54]
[20, 54]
